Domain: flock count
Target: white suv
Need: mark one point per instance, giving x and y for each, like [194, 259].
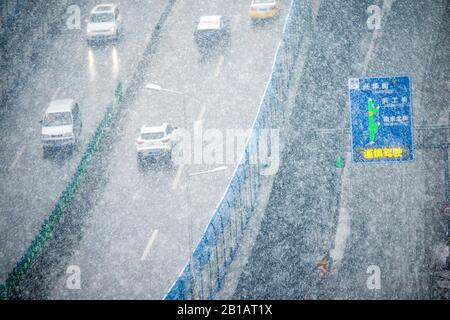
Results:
[61, 125]
[105, 23]
[155, 142]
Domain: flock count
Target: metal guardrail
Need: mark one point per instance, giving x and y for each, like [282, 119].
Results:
[202, 275]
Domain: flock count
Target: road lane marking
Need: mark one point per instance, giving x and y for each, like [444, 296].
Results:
[149, 245]
[55, 95]
[201, 114]
[343, 226]
[315, 9]
[17, 157]
[236, 20]
[178, 176]
[219, 66]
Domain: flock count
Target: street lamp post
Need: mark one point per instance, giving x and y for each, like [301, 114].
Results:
[188, 192]
[156, 87]
[189, 206]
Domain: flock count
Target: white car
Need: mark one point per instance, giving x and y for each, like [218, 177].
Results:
[155, 142]
[61, 124]
[105, 23]
[212, 31]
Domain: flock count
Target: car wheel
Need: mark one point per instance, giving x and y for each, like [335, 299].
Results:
[170, 163]
[45, 151]
[140, 161]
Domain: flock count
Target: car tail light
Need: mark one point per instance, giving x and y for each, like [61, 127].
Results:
[274, 8]
[253, 8]
[139, 142]
[166, 140]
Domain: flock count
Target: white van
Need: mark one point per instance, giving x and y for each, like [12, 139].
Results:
[61, 125]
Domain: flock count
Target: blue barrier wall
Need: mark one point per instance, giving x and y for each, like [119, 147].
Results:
[202, 275]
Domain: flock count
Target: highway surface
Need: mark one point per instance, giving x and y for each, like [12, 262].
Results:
[383, 215]
[30, 184]
[137, 237]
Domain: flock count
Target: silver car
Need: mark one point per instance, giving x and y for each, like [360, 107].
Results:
[155, 142]
[61, 124]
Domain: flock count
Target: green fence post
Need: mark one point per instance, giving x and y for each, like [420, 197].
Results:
[2, 292]
[118, 92]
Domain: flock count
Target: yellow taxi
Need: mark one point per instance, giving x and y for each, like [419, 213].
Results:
[263, 9]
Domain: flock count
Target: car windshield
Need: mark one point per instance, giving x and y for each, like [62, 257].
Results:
[208, 35]
[152, 135]
[57, 119]
[102, 17]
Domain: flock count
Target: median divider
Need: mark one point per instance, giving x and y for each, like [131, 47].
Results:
[202, 275]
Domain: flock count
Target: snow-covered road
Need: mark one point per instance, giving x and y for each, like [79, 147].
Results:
[135, 240]
[31, 184]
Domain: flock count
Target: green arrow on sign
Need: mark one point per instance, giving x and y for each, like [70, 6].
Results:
[339, 162]
[373, 127]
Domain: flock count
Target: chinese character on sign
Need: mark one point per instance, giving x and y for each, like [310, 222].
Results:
[397, 152]
[381, 119]
[378, 153]
[387, 152]
[404, 100]
[382, 153]
[368, 153]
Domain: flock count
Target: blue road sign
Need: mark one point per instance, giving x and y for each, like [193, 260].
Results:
[381, 119]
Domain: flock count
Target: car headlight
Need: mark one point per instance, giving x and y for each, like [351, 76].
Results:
[111, 29]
